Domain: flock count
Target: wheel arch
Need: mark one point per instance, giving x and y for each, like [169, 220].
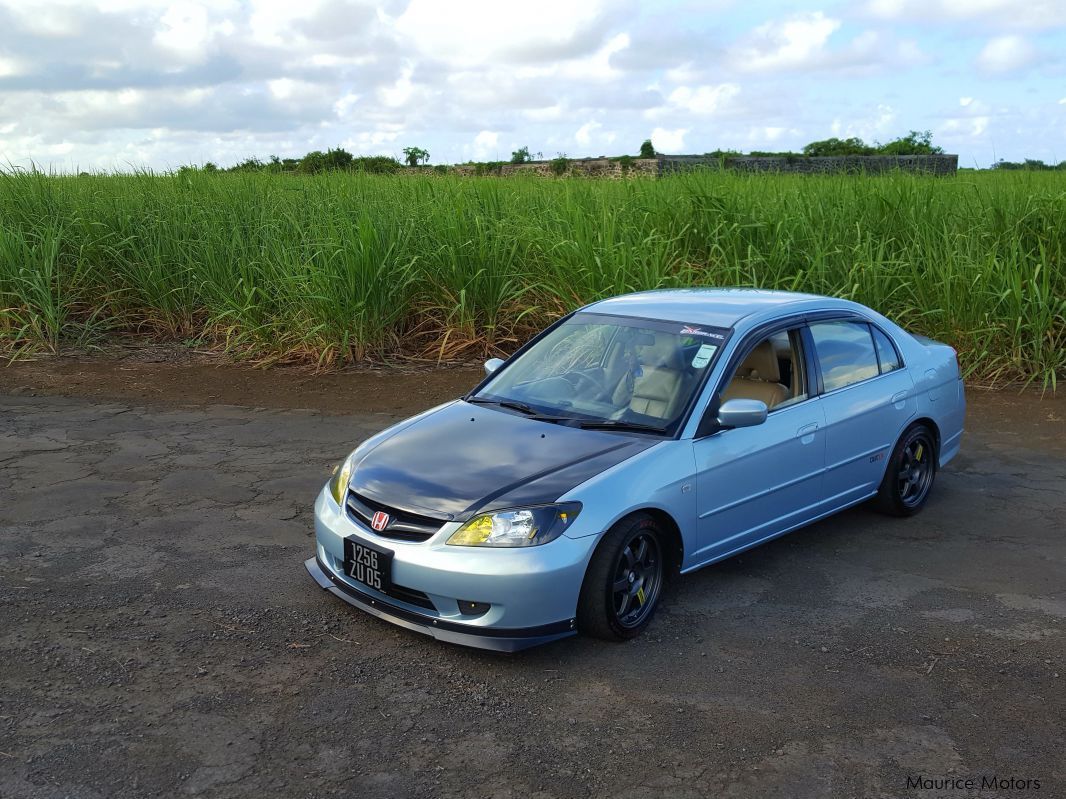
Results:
[675, 542]
[929, 422]
[923, 420]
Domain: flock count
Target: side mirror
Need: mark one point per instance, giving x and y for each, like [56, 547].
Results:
[741, 413]
[492, 364]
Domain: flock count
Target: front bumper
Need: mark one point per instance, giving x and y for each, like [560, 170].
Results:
[532, 593]
[494, 638]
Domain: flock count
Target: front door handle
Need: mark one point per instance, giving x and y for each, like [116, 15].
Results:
[806, 433]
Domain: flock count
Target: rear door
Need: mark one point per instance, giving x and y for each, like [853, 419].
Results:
[868, 399]
[756, 482]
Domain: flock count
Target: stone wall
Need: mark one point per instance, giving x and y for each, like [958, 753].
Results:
[577, 167]
[931, 164]
[652, 167]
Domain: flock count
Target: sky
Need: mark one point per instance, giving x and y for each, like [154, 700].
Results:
[122, 84]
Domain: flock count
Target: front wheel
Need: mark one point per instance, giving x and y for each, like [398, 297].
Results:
[624, 580]
[910, 473]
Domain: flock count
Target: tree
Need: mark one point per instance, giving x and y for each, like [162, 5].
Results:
[415, 156]
[646, 149]
[835, 146]
[521, 156]
[914, 143]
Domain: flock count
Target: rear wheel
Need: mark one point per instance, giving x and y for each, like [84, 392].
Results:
[910, 473]
[624, 580]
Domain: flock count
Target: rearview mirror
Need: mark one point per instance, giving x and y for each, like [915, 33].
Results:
[741, 413]
[492, 364]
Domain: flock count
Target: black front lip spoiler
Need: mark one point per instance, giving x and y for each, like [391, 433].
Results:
[494, 638]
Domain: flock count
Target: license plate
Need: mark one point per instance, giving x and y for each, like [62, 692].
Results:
[368, 564]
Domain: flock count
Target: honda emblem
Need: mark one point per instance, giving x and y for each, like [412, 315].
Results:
[380, 520]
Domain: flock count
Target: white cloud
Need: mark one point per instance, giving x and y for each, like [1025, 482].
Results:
[485, 143]
[965, 101]
[547, 114]
[595, 66]
[474, 31]
[399, 92]
[345, 104]
[9, 66]
[970, 121]
[584, 133]
[1006, 54]
[876, 125]
[704, 100]
[186, 29]
[1036, 14]
[669, 141]
[792, 42]
[104, 83]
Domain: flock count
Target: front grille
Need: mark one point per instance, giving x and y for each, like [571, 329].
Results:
[410, 596]
[402, 526]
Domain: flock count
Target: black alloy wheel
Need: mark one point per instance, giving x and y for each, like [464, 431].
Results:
[624, 581]
[638, 579]
[910, 473]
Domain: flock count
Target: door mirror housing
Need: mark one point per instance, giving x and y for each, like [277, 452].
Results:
[741, 413]
[492, 364]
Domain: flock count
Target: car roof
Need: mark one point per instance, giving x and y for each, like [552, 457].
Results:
[719, 307]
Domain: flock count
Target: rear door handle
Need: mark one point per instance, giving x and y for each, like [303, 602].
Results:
[806, 433]
[898, 397]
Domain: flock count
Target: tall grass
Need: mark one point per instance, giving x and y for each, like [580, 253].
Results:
[339, 268]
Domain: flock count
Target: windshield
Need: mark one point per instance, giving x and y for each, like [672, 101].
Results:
[597, 369]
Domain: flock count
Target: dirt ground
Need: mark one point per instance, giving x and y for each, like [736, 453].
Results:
[159, 636]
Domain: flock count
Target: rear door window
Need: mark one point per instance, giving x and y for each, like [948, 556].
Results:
[845, 352]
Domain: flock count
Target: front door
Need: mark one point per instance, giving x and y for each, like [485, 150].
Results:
[756, 482]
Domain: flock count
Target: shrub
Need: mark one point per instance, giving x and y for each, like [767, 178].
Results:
[560, 165]
[376, 164]
[835, 146]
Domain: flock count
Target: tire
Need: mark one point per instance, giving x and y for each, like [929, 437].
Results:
[910, 473]
[624, 580]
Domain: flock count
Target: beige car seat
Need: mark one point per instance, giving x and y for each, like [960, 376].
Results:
[657, 391]
[759, 377]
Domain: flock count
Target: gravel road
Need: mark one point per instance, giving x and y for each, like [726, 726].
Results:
[160, 637]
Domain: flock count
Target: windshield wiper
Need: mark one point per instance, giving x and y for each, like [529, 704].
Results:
[619, 424]
[521, 407]
[514, 405]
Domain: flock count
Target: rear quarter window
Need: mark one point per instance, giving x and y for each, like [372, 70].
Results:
[886, 353]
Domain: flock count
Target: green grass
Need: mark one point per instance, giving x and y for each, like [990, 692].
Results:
[338, 268]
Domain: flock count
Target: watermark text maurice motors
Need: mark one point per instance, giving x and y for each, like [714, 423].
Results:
[981, 782]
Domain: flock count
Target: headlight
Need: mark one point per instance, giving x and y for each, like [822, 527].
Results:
[342, 474]
[520, 527]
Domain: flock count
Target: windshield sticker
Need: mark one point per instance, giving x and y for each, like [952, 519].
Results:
[704, 355]
[688, 330]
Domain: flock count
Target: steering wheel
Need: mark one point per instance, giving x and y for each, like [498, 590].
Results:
[580, 379]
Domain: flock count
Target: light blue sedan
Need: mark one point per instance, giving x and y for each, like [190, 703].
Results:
[637, 438]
